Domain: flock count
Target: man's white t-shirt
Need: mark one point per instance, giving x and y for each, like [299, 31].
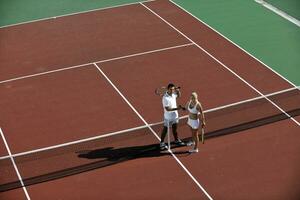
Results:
[170, 101]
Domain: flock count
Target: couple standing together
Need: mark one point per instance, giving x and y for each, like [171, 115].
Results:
[195, 120]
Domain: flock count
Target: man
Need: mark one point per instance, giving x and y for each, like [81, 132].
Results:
[170, 114]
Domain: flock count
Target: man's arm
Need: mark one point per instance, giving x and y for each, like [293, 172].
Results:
[167, 105]
[173, 109]
[178, 93]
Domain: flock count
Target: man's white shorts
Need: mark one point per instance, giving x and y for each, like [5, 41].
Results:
[170, 122]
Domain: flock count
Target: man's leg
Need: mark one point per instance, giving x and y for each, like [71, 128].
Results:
[174, 130]
[175, 134]
[163, 134]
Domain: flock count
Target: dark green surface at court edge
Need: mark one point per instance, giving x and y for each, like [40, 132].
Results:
[18, 11]
[267, 36]
[291, 7]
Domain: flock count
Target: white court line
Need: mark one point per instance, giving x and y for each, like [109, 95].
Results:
[138, 127]
[155, 134]
[271, 69]
[218, 61]
[14, 164]
[236, 103]
[71, 14]
[252, 99]
[100, 61]
[73, 142]
[279, 12]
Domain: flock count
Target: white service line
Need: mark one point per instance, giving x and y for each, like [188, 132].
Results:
[139, 127]
[218, 61]
[155, 134]
[271, 69]
[75, 13]
[14, 164]
[279, 12]
[100, 61]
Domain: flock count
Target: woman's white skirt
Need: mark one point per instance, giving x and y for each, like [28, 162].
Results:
[193, 123]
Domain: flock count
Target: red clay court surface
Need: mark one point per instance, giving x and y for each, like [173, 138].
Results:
[61, 81]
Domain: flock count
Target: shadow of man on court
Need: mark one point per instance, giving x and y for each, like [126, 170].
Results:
[115, 155]
[92, 160]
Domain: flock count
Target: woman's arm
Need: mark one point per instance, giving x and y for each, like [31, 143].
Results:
[202, 118]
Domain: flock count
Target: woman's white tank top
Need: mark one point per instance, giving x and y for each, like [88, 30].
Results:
[194, 109]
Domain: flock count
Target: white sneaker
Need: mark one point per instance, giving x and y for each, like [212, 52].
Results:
[179, 142]
[163, 146]
[190, 143]
[193, 150]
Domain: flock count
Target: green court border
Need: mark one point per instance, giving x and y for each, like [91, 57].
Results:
[21, 11]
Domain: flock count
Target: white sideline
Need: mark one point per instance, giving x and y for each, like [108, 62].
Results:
[279, 12]
[272, 70]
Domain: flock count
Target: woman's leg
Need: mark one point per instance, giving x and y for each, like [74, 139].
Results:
[195, 137]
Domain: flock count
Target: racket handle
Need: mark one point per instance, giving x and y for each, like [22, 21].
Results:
[202, 139]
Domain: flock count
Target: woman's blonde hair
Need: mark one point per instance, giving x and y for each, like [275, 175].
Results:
[195, 95]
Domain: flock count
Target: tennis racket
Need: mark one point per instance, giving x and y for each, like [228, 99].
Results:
[202, 135]
[160, 91]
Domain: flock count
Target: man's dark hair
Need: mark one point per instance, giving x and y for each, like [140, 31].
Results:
[171, 85]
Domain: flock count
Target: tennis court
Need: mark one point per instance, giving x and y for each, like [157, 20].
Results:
[79, 117]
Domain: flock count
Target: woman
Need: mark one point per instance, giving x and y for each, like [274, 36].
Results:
[195, 112]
